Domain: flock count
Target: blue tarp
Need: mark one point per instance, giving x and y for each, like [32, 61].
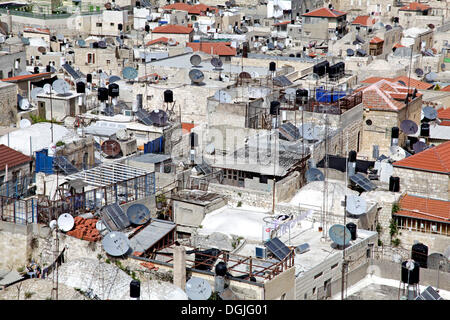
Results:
[44, 163]
[155, 146]
[323, 95]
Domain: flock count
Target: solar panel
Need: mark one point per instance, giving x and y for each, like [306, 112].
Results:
[289, 131]
[64, 164]
[75, 75]
[114, 217]
[429, 294]
[363, 182]
[278, 248]
[206, 169]
[144, 117]
[282, 81]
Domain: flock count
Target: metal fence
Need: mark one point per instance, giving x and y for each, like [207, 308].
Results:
[18, 210]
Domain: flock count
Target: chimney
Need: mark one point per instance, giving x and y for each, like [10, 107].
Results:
[179, 267]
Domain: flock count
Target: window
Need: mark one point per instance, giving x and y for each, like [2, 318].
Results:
[305, 296]
[334, 265]
[90, 58]
[108, 62]
[112, 24]
[314, 290]
[318, 275]
[98, 24]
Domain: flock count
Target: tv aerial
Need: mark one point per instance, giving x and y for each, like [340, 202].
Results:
[138, 214]
[340, 234]
[116, 243]
[409, 127]
[198, 289]
[129, 73]
[61, 87]
[195, 60]
[65, 222]
[314, 174]
[196, 76]
[355, 205]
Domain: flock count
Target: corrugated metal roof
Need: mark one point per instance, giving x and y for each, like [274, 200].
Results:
[11, 157]
[151, 234]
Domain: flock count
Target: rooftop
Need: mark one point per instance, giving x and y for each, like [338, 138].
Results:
[413, 83]
[434, 159]
[325, 12]
[218, 48]
[365, 21]
[424, 208]
[173, 29]
[376, 40]
[11, 157]
[27, 77]
[444, 113]
[415, 6]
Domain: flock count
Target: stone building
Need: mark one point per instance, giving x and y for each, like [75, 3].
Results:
[426, 173]
[89, 60]
[324, 24]
[80, 153]
[384, 108]
[13, 164]
[178, 33]
[8, 103]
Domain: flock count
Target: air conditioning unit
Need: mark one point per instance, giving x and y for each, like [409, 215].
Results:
[261, 252]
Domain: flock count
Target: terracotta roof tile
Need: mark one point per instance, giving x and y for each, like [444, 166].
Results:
[376, 40]
[446, 89]
[365, 21]
[219, 48]
[158, 40]
[325, 12]
[186, 126]
[191, 9]
[444, 113]
[424, 208]
[398, 45]
[11, 157]
[383, 94]
[434, 159]
[26, 77]
[413, 83]
[282, 23]
[415, 6]
[173, 28]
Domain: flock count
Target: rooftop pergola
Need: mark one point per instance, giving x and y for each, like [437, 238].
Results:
[108, 174]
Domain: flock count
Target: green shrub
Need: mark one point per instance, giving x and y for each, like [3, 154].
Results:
[239, 204]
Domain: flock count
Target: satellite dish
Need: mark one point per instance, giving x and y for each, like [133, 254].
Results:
[102, 44]
[122, 134]
[100, 226]
[429, 113]
[217, 63]
[447, 252]
[103, 76]
[129, 73]
[196, 76]
[223, 96]
[443, 66]
[81, 43]
[24, 123]
[2, 39]
[171, 42]
[313, 76]
[431, 77]
[47, 88]
[53, 224]
[419, 146]
[337, 234]
[402, 82]
[409, 127]
[24, 104]
[290, 94]
[61, 87]
[356, 205]
[397, 153]
[198, 289]
[410, 265]
[159, 117]
[111, 147]
[419, 72]
[42, 49]
[244, 75]
[25, 41]
[314, 174]
[388, 27]
[65, 222]
[350, 52]
[60, 37]
[195, 60]
[116, 244]
[138, 214]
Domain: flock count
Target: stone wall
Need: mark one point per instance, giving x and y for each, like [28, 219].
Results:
[15, 245]
[422, 183]
[8, 107]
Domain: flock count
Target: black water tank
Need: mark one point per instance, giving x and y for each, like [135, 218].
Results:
[102, 94]
[168, 96]
[138, 4]
[245, 50]
[419, 253]
[147, 28]
[275, 108]
[89, 78]
[352, 156]
[48, 68]
[36, 69]
[95, 45]
[352, 228]
[221, 269]
[81, 87]
[394, 132]
[292, 55]
[272, 66]
[396, 184]
[120, 27]
[425, 130]
[135, 289]
[194, 139]
[298, 55]
[413, 277]
[113, 90]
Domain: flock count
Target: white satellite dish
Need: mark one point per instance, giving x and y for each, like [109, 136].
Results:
[24, 123]
[198, 289]
[24, 104]
[47, 88]
[100, 226]
[61, 87]
[356, 205]
[410, 265]
[35, 92]
[65, 222]
[122, 134]
[53, 224]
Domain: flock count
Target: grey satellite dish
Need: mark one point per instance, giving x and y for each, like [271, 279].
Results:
[2, 39]
[314, 174]
[53, 224]
[419, 146]
[102, 44]
[196, 76]
[429, 113]
[195, 60]
[138, 214]
[47, 88]
[350, 52]
[61, 87]
[419, 72]
[356, 205]
[313, 76]
[398, 153]
[24, 104]
[340, 235]
[437, 261]
[409, 127]
[129, 73]
[159, 117]
[447, 252]
[443, 66]
[81, 43]
[217, 63]
[116, 244]
[24, 123]
[198, 289]
[223, 96]
[65, 222]
[359, 39]
[25, 41]
[431, 77]
[103, 76]
[388, 27]
[209, 149]
[402, 82]
[270, 46]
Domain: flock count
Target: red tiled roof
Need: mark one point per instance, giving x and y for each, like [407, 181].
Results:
[446, 89]
[26, 77]
[365, 21]
[192, 9]
[282, 23]
[178, 6]
[173, 28]
[445, 123]
[186, 126]
[398, 45]
[219, 48]
[325, 12]
[35, 30]
[376, 40]
[444, 113]
[424, 208]
[159, 40]
[413, 83]
[11, 157]
[435, 159]
[415, 6]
